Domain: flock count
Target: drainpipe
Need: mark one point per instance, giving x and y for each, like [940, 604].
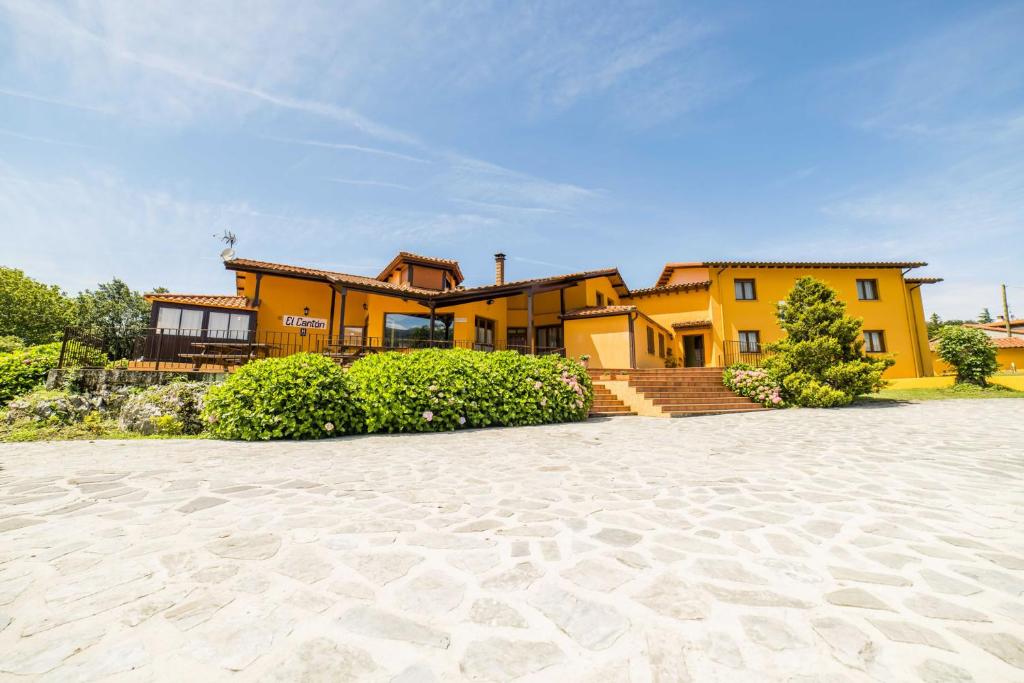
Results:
[632, 339]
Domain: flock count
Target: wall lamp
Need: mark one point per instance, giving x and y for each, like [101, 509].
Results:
[305, 311]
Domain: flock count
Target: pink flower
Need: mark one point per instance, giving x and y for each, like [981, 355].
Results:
[329, 426]
[462, 420]
[427, 415]
[543, 401]
[537, 385]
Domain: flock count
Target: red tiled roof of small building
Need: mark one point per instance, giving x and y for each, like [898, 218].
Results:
[208, 300]
[597, 312]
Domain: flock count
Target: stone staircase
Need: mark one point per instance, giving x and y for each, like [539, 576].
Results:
[606, 404]
[671, 392]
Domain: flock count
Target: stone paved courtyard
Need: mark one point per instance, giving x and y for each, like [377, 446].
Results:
[876, 543]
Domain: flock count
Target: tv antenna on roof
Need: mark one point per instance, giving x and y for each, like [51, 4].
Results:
[229, 239]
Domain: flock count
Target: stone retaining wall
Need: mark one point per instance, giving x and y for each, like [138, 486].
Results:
[94, 380]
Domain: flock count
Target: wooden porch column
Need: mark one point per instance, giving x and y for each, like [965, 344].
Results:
[330, 322]
[341, 314]
[529, 322]
[430, 334]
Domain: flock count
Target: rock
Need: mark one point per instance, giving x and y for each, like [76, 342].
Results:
[101, 663]
[383, 568]
[215, 574]
[597, 575]
[43, 653]
[1005, 646]
[726, 570]
[618, 537]
[376, 623]
[934, 671]
[905, 632]
[947, 584]
[497, 659]
[201, 503]
[754, 598]
[770, 632]
[246, 546]
[850, 574]
[493, 613]
[518, 578]
[856, 597]
[431, 593]
[671, 597]
[304, 564]
[593, 625]
[236, 641]
[937, 608]
[322, 660]
[722, 649]
[850, 645]
[197, 609]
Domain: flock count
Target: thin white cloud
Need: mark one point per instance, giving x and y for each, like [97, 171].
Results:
[370, 183]
[48, 141]
[7, 92]
[350, 147]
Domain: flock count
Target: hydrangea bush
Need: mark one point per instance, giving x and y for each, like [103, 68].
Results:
[446, 389]
[303, 396]
[169, 409]
[755, 384]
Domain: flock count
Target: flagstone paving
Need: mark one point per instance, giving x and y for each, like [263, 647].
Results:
[881, 543]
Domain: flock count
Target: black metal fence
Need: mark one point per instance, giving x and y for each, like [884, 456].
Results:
[199, 347]
[745, 352]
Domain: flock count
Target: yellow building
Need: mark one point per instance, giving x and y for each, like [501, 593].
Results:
[696, 315]
[1008, 340]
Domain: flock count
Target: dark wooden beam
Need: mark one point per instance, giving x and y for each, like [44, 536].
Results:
[341, 314]
[632, 343]
[330, 322]
[529, 322]
[430, 333]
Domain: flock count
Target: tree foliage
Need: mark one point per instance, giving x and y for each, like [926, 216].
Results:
[821, 361]
[33, 312]
[970, 352]
[115, 314]
[984, 317]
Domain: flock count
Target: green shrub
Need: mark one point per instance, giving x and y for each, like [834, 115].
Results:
[21, 371]
[445, 389]
[970, 352]
[9, 343]
[120, 364]
[168, 409]
[821, 361]
[303, 396]
[754, 383]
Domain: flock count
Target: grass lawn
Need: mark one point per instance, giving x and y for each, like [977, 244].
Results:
[960, 391]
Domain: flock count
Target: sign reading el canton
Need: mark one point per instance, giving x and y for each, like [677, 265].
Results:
[304, 322]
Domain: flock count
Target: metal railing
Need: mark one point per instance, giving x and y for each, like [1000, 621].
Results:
[736, 351]
[198, 347]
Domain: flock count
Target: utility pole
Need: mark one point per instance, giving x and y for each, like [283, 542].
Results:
[1006, 314]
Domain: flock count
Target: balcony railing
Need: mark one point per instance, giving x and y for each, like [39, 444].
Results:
[744, 352]
[204, 347]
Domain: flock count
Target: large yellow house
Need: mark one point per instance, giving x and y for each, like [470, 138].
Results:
[697, 314]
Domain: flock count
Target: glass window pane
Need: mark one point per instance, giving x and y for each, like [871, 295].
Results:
[239, 328]
[168, 319]
[218, 325]
[191, 323]
[409, 330]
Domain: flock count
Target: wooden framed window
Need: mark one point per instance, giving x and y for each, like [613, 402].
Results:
[549, 338]
[867, 290]
[517, 340]
[750, 341]
[484, 340]
[661, 345]
[600, 299]
[650, 340]
[745, 290]
[874, 341]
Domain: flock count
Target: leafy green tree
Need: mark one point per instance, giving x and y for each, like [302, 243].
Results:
[970, 351]
[984, 317]
[32, 311]
[821, 361]
[115, 314]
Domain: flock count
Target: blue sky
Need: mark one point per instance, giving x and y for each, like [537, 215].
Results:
[568, 135]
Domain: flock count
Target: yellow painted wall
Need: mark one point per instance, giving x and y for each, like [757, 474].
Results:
[673, 307]
[281, 296]
[1010, 360]
[891, 313]
[604, 339]
[1011, 381]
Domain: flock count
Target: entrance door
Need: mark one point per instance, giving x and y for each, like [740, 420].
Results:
[693, 350]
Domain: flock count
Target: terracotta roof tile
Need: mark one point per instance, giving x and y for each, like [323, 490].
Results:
[923, 280]
[597, 312]
[209, 300]
[689, 324]
[1008, 342]
[450, 264]
[326, 276]
[666, 272]
[665, 289]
